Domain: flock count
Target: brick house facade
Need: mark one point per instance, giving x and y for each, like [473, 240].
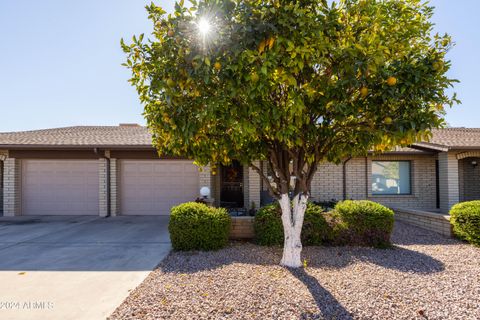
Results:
[126, 170]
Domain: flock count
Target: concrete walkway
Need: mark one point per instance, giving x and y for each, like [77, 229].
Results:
[75, 267]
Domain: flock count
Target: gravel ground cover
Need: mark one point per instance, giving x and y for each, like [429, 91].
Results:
[424, 276]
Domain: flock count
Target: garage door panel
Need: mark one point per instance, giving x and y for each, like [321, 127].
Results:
[152, 187]
[60, 187]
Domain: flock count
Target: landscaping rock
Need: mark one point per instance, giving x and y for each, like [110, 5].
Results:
[425, 276]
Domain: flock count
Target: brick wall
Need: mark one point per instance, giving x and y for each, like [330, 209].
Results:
[242, 228]
[3, 156]
[327, 183]
[12, 187]
[103, 194]
[470, 179]
[253, 187]
[246, 188]
[114, 187]
[427, 220]
[449, 180]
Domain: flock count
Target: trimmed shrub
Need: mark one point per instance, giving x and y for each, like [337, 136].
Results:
[363, 222]
[267, 225]
[269, 228]
[316, 229]
[465, 219]
[196, 226]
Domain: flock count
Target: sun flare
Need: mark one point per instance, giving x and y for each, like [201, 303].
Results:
[204, 26]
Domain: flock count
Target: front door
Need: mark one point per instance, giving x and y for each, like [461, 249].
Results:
[231, 186]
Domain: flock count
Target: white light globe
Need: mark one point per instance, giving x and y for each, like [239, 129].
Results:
[205, 192]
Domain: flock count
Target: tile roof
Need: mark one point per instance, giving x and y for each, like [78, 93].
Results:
[81, 136]
[138, 136]
[453, 138]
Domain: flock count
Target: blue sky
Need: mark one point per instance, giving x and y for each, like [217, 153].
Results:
[60, 61]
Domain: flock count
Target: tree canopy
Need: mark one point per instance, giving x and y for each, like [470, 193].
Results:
[305, 81]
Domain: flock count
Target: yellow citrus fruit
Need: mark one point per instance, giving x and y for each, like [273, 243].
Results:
[254, 77]
[261, 46]
[271, 42]
[388, 120]
[364, 92]
[391, 81]
[217, 66]
[170, 83]
[438, 65]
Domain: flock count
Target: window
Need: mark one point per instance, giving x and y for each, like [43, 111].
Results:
[391, 177]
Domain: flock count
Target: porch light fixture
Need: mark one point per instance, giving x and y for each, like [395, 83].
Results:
[474, 163]
[205, 192]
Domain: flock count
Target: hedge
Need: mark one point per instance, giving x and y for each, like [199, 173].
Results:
[196, 226]
[363, 222]
[465, 219]
[350, 223]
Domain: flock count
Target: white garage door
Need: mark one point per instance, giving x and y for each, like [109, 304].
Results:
[152, 187]
[60, 187]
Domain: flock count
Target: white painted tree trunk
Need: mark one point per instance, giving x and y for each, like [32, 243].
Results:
[292, 218]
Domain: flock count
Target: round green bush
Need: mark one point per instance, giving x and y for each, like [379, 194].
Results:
[363, 222]
[269, 228]
[465, 219]
[196, 226]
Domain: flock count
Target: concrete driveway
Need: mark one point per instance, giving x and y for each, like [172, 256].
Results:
[75, 267]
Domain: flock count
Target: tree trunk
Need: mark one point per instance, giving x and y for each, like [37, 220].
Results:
[292, 219]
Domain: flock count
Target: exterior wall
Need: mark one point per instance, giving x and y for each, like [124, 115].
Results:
[241, 228]
[1, 187]
[430, 221]
[217, 188]
[12, 187]
[449, 180]
[114, 191]
[103, 189]
[3, 156]
[423, 184]
[327, 183]
[253, 187]
[470, 182]
[461, 181]
[246, 188]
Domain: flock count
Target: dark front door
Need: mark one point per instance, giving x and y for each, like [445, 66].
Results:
[231, 186]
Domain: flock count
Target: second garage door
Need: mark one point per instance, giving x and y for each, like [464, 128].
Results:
[60, 187]
[152, 187]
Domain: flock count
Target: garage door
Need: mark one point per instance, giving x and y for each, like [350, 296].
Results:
[63, 187]
[152, 187]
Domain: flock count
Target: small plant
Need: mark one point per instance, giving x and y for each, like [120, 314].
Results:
[363, 222]
[465, 219]
[196, 226]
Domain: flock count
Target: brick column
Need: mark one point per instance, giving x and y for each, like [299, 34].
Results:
[12, 187]
[206, 180]
[103, 194]
[253, 187]
[114, 203]
[448, 177]
[3, 156]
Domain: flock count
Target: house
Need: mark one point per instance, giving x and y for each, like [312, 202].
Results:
[115, 171]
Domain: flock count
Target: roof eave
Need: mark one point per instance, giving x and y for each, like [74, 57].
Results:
[427, 146]
[73, 147]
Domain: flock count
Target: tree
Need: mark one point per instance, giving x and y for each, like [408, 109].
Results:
[292, 83]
